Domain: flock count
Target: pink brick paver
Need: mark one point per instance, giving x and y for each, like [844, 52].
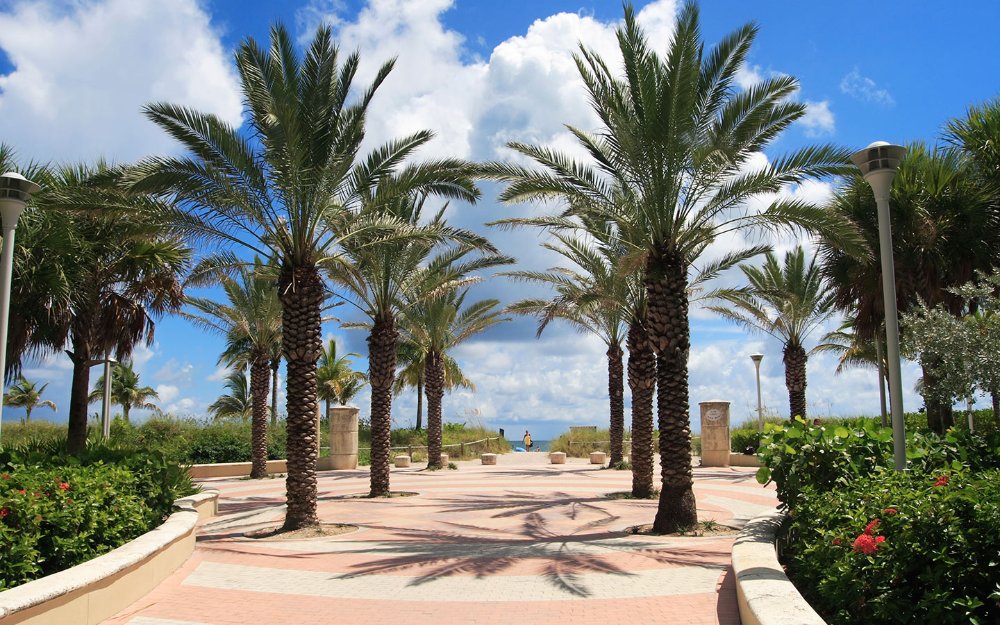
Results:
[520, 542]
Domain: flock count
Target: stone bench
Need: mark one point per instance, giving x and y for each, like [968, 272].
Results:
[598, 457]
[402, 462]
[489, 458]
[557, 457]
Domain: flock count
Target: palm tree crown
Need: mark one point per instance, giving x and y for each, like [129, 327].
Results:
[238, 402]
[27, 395]
[125, 390]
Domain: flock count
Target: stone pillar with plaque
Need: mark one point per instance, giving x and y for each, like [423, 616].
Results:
[714, 433]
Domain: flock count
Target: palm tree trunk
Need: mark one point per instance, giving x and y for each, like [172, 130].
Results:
[259, 378]
[420, 401]
[301, 291]
[381, 373]
[795, 379]
[666, 288]
[76, 437]
[642, 380]
[616, 397]
[27, 414]
[275, 365]
[939, 411]
[434, 367]
[125, 408]
[881, 381]
[995, 395]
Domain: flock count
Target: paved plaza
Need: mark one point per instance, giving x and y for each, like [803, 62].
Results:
[520, 542]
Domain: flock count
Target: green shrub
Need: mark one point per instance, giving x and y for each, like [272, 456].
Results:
[744, 440]
[932, 553]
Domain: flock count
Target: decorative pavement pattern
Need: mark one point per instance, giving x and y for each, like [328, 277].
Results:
[520, 542]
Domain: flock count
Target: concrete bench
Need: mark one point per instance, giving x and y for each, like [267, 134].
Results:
[598, 457]
[489, 458]
[557, 457]
[402, 462]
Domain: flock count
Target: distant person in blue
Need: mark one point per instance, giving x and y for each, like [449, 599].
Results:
[527, 440]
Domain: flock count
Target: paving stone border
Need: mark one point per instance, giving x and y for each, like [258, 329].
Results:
[88, 593]
[764, 593]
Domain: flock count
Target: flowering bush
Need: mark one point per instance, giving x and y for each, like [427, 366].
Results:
[56, 512]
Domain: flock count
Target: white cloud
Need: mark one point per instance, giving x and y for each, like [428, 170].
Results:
[818, 119]
[865, 89]
[167, 392]
[219, 374]
[175, 372]
[83, 70]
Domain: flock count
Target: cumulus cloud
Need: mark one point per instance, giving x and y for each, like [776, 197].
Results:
[167, 392]
[173, 371]
[818, 119]
[865, 89]
[83, 70]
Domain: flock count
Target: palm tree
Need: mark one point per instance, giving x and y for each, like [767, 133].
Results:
[438, 324]
[125, 390]
[787, 302]
[251, 321]
[945, 228]
[671, 167]
[27, 395]
[411, 360]
[337, 381]
[238, 403]
[118, 271]
[853, 351]
[291, 187]
[380, 277]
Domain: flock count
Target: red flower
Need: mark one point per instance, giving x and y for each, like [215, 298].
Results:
[63, 485]
[5, 476]
[942, 480]
[4, 512]
[22, 492]
[866, 544]
[836, 541]
[871, 527]
[879, 540]
[890, 511]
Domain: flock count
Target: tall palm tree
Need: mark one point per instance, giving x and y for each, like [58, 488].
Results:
[118, 271]
[945, 228]
[380, 277]
[411, 360]
[291, 187]
[125, 390]
[238, 402]
[337, 380]
[671, 167]
[438, 324]
[27, 395]
[250, 320]
[786, 301]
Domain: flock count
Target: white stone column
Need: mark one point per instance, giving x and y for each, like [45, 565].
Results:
[714, 433]
[343, 437]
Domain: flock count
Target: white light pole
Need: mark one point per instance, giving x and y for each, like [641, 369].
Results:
[756, 358]
[15, 191]
[878, 164]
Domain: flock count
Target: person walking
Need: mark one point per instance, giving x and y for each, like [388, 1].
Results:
[527, 440]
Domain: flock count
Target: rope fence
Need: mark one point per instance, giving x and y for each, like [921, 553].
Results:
[409, 448]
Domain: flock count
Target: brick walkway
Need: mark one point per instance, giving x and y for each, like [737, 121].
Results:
[521, 542]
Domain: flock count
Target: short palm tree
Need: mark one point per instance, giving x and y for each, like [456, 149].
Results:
[438, 324]
[238, 402]
[671, 167]
[125, 390]
[291, 187]
[250, 321]
[411, 360]
[27, 395]
[337, 381]
[788, 302]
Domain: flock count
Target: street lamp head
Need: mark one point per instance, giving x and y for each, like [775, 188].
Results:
[15, 191]
[757, 358]
[878, 164]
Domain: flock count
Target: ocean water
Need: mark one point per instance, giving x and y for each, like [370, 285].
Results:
[538, 445]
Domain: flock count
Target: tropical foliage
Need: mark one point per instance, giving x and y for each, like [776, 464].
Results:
[28, 395]
[337, 381]
[237, 403]
[125, 390]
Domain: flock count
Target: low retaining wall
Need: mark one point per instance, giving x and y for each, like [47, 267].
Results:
[241, 469]
[743, 460]
[763, 591]
[90, 592]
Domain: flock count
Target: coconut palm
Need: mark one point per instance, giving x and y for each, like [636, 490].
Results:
[238, 402]
[250, 321]
[337, 381]
[788, 302]
[853, 351]
[672, 167]
[438, 324]
[27, 395]
[945, 228]
[411, 360]
[381, 278]
[291, 187]
[125, 390]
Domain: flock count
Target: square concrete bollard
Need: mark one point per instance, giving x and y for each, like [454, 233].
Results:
[402, 462]
[444, 460]
[489, 458]
[557, 457]
[598, 457]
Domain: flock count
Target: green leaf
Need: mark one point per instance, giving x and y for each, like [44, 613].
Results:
[763, 475]
[794, 433]
[842, 432]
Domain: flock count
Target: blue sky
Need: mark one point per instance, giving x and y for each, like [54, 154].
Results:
[73, 76]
